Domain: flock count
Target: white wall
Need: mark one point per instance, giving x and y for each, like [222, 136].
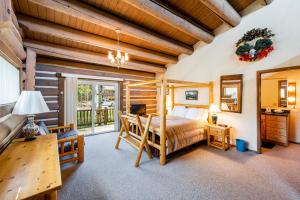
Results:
[203, 96]
[218, 58]
[269, 93]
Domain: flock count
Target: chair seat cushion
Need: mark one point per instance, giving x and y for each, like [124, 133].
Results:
[67, 145]
[70, 133]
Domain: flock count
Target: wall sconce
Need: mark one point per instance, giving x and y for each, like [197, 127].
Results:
[291, 93]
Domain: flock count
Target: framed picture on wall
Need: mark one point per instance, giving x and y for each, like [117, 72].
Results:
[191, 95]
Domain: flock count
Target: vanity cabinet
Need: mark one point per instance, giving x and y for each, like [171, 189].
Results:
[275, 128]
[263, 127]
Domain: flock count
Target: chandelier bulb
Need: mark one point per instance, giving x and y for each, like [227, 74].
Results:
[119, 55]
[123, 60]
[110, 55]
[126, 57]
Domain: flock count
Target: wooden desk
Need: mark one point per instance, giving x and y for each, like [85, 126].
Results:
[30, 170]
[215, 133]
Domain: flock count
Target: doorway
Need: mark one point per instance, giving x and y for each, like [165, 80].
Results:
[96, 107]
[277, 108]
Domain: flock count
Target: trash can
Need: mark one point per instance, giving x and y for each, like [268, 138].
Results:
[241, 145]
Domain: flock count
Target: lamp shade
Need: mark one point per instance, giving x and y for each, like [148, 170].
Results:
[214, 109]
[30, 103]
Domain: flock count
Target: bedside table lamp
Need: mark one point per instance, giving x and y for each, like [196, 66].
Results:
[30, 103]
[214, 109]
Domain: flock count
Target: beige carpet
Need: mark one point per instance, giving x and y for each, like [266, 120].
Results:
[197, 173]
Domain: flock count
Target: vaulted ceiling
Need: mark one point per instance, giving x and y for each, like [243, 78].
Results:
[153, 32]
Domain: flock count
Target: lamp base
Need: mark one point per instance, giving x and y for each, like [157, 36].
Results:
[30, 129]
[29, 138]
[214, 119]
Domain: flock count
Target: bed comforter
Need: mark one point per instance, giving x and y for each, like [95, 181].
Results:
[181, 132]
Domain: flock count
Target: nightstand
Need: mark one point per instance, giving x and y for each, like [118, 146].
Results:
[218, 136]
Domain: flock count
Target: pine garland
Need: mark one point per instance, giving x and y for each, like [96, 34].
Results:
[262, 47]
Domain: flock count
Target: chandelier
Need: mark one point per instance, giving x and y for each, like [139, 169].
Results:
[118, 59]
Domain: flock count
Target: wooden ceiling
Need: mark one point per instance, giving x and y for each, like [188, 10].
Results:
[153, 32]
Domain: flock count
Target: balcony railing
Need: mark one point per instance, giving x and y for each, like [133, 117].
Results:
[103, 116]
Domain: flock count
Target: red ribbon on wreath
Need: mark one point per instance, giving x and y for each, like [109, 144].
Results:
[260, 54]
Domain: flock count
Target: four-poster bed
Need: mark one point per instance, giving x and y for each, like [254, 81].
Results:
[158, 129]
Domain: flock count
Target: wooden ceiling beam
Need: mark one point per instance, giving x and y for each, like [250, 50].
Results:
[224, 10]
[88, 66]
[7, 53]
[163, 14]
[9, 33]
[104, 19]
[82, 37]
[48, 49]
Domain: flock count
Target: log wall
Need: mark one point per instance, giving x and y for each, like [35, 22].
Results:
[48, 83]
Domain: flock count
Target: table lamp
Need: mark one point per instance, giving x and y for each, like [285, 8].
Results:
[30, 103]
[214, 109]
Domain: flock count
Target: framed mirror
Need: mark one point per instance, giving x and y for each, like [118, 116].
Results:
[231, 92]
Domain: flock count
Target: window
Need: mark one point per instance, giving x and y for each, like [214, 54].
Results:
[9, 82]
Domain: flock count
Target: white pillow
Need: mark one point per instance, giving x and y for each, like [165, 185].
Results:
[192, 113]
[204, 117]
[179, 111]
[197, 114]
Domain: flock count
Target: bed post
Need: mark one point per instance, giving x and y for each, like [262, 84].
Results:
[127, 97]
[211, 92]
[172, 88]
[163, 121]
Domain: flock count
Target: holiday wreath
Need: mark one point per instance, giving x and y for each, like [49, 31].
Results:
[255, 44]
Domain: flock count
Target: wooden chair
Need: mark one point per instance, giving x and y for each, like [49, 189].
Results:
[138, 143]
[75, 144]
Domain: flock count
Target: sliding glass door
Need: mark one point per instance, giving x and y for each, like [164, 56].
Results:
[97, 106]
[104, 108]
[84, 107]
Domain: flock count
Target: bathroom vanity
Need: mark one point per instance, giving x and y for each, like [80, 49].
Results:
[275, 126]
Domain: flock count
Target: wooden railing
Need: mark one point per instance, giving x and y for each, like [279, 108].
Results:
[103, 116]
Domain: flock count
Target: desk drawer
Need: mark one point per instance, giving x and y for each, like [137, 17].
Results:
[274, 124]
[215, 131]
[277, 138]
[276, 131]
[276, 118]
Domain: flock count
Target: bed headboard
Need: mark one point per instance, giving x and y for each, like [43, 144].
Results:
[192, 106]
[209, 85]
